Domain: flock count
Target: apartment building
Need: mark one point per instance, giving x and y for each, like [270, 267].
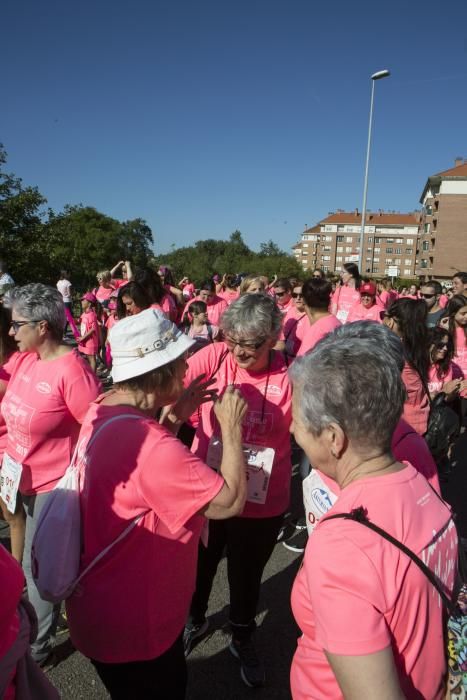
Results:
[443, 226]
[389, 244]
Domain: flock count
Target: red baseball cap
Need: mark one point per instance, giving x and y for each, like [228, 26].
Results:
[368, 288]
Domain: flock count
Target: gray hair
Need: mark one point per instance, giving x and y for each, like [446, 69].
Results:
[253, 316]
[38, 302]
[352, 378]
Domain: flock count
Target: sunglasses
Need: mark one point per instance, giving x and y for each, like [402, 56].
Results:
[297, 295]
[441, 345]
[281, 294]
[428, 296]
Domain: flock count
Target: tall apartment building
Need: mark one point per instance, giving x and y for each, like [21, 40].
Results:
[389, 244]
[443, 229]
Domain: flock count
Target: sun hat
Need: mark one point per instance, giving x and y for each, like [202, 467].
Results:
[144, 342]
[89, 296]
[368, 288]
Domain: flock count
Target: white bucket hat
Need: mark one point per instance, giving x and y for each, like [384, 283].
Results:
[145, 342]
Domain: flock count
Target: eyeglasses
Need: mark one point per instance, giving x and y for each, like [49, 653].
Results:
[316, 277]
[281, 294]
[297, 295]
[428, 296]
[244, 345]
[441, 345]
[16, 325]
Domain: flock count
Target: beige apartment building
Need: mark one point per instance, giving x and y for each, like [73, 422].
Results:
[443, 226]
[389, 245]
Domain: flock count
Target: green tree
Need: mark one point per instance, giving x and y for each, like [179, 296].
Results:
[21, 244]
[270, 249]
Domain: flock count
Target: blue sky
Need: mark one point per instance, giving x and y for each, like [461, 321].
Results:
[207, 116]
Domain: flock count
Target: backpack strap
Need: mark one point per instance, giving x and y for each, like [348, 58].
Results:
[209, 329]
[359, 515]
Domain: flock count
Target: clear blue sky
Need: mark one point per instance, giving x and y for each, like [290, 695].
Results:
[206, 116]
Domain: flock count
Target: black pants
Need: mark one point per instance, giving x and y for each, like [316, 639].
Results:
[157, 679]
[249, 543]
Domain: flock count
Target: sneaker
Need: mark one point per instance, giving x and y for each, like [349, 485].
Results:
[299, 524]
[297, 543]
[192, 632]
[251, 668]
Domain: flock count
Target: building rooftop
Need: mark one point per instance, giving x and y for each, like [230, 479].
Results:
[379, 218]
[458, 172]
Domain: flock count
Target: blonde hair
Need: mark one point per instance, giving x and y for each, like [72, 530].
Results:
[248, 282]
[104, 276]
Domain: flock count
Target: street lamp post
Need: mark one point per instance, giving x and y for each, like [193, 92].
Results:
[376, 76]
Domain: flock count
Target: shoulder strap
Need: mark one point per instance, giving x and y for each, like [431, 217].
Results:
[293, 326]
[209, 329]
[425, 386]
[359, 516]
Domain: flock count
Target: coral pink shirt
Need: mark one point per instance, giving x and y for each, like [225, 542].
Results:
[188, 290]
[111, 321]
[358, 312]
[88, 321]
[386, 298]
[43, 407]
[229, 296]
[342, 301]
[266, 423]
[104, 293]
[460, 356]
[316, 331]
[133, 605]
[357, 594]
[215, 309]
[417, 404]
[435, 382]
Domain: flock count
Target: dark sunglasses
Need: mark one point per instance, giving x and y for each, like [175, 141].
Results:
[297, 295]
[428, 296]
[281, 294]
[441, 345]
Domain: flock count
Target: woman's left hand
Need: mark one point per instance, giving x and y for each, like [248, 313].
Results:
[193, 396]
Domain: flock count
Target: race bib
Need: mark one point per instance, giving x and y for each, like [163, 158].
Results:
[259, 461]
[10, 476]
[342, 315]
[317, 499]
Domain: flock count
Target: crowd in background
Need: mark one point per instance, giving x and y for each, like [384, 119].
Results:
[182, 397]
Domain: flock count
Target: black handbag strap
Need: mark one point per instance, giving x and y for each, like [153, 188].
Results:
[359, 516]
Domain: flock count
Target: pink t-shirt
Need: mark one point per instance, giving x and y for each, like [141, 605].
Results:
[215, 309]
[417, 404]
[5, 374]
[266, 424]
[133, 605]
[435, 382]
[357, 594]
[316, 331]
[358, 312]
[88, 321]
[111, 321]
[43, 406]
[117, 283]
[387, 297]
[188, 290]
[460, 356]
[342, 301]
[229, 296]
[293, 331]
[12, 578]
[443, 301]
[104, 293]
[287, 307]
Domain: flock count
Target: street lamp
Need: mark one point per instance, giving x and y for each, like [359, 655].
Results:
[376, 76]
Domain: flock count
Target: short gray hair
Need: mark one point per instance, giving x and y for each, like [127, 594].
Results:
[38, 302]
[253, 316]
[352, 378]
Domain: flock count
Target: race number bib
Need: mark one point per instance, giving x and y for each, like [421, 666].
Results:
[317, 499]
[259, 461]
[342, 315]
[10, 476]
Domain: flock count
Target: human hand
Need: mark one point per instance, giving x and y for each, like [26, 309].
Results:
[230, 409]
[193, 396]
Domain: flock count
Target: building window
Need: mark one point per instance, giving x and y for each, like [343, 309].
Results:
[426, 228]
[376, 260]
[340, 249]
[340, 227]
[407, 271]
[377, 240]
[428, 209]
[389, 250]
[370, 239]
[327, 248]
[426, 245]
[389, 240]
[325, 268]
[375, 269]
[328, 238]
[348, 249]
[326, 257]
[409, 241]
[398, 251]
[399, 240]
[435, 224]
[397, 261]
[407, 261]
[424, 263]
[340, 239]
[377, 250]
[305, 245]
[349, 239]
[436, 205]
[339, 259]
[409, 251]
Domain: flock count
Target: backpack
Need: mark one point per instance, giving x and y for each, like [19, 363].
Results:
[443, 424]
[57, 546]
[456, 627]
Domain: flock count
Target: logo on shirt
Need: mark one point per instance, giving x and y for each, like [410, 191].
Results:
[274, 390]
[43, 388]
[321, 500]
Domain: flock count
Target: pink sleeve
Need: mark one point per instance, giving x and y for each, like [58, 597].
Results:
[346, 594]
[80, 388]
[179, 485]
[204, 362]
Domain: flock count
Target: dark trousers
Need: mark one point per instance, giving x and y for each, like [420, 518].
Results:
[157, 679]
[249, 543]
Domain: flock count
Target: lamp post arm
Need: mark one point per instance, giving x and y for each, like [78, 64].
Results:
[365, 184]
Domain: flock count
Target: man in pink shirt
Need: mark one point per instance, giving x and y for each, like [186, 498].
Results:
[216, 305]
[366, 309]
[317, 296]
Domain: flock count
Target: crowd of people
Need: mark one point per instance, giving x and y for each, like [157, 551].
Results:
[184, 402]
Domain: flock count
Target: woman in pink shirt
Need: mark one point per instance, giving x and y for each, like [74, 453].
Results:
[129, 613]
[443, 374]
[216, 305]
[46, 399]
[457, 312]
[407, 318]
[228, 290]
[246, 360]
[316, 295]
[105, 289]
[158, 296]
[346, 294]
[88, 341]
[372, 623]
